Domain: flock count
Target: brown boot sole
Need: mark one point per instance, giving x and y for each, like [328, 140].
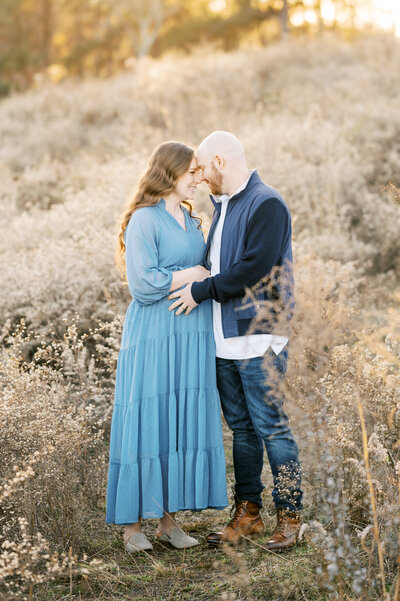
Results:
[241, 540]
[282, 549]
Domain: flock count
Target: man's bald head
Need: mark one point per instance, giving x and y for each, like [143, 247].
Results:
[222, 160]
[222, 143]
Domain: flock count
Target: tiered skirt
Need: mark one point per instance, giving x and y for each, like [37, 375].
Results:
[166, 450]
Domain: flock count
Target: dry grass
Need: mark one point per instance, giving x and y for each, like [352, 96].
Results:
[320, 121]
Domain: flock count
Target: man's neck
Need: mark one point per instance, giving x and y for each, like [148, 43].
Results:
[236, 181]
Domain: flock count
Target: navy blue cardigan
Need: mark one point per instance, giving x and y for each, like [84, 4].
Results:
[256, 237]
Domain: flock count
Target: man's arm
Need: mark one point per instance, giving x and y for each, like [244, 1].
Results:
[267, 231]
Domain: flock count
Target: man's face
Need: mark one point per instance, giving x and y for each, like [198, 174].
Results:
[210, 175]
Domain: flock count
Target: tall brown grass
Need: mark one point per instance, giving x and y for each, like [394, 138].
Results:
[320, 121]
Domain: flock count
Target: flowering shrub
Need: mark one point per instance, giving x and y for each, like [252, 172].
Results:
[342, 392]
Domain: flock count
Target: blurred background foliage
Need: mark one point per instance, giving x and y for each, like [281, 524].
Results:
[53, 39]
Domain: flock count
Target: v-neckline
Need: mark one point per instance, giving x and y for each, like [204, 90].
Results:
[163, 204]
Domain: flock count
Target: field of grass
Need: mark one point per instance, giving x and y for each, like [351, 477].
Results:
[320, 120]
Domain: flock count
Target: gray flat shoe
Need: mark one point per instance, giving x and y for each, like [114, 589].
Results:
[137, 542]
[178, 539]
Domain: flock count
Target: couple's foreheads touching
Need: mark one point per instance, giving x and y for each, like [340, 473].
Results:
[222, 162]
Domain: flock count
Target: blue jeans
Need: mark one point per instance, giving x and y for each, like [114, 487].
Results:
[256, 417]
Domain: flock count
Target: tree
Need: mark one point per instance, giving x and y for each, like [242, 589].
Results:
[97, 36]
[187, 30]
[141, 22]
[285, 18]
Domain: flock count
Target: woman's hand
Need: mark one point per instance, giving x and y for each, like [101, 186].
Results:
[200, 273]
[188, 276]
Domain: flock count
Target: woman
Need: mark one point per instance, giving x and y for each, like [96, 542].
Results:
[166, 451]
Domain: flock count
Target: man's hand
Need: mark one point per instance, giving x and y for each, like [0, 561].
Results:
[184, 300]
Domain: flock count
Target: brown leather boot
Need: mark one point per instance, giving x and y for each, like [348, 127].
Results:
[246, 521]
[286, 532]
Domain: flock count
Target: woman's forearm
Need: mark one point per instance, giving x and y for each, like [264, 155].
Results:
[182, 277]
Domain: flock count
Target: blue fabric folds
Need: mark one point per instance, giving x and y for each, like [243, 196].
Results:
[166, 450]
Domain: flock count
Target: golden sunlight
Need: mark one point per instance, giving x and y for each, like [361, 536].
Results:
[328, 12]
[217, 6]
[375, 14]
[390, 19]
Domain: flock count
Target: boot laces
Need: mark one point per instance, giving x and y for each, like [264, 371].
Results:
[282, 521]
[281, 525]
[236, 512]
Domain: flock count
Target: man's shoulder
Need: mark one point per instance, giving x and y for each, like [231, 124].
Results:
[264, 194]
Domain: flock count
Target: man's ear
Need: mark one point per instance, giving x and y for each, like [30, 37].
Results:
[220, 161]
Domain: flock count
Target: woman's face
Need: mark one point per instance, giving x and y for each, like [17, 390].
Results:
[186, 184]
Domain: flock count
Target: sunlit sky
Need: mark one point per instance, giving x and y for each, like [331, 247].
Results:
[380, 14]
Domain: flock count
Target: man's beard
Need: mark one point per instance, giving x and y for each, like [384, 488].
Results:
[216, 182]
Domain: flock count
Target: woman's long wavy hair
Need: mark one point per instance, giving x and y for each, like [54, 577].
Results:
[169, 161]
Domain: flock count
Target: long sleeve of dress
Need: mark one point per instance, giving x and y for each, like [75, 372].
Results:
[147, 281]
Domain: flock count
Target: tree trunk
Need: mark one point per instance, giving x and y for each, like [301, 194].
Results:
[285, 19]
[47, 32]
[78, 27]
[320, 21]
[149, 20]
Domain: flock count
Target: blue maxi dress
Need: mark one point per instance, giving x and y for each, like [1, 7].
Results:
[166, 450]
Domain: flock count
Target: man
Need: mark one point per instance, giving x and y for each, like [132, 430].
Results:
[249, 240]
